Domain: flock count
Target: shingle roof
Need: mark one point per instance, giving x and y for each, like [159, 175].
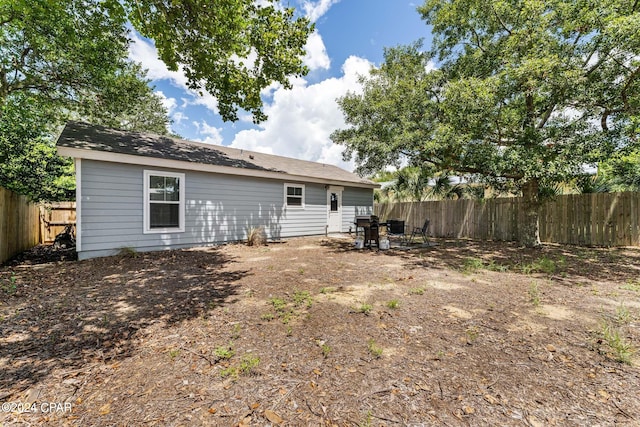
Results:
[83, 136]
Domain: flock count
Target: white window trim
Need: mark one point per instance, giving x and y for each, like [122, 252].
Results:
[288, 184]
[146, 211]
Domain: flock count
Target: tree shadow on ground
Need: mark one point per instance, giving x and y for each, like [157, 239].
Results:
[567, 264]
[70, 314]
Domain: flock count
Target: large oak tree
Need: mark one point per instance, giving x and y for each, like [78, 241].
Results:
[69, 59]
[526, 93]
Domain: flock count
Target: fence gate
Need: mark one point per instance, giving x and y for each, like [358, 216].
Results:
[54, 218]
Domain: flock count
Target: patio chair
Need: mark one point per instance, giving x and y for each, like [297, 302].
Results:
[420, 231]
[396, 228]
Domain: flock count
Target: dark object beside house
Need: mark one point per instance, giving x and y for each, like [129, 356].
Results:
[396, 228]
[66, 239]
[370, 226]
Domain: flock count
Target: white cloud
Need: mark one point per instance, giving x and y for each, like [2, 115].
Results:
[302, 119]
[315, 10]
[211, 134]
[169, 103]
[178, 117]
[316, 57]
[145, 52]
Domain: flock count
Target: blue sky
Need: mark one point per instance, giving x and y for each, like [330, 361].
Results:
[350, 38]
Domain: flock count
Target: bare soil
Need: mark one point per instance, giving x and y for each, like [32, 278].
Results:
[315, 332]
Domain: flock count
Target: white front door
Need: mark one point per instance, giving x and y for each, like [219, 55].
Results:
[334, 207]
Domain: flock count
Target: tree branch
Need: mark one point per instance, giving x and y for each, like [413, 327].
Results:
[626, 87]
[502, 24]
[10, 18]
[476, 36]
[603, 120]
[546, 116]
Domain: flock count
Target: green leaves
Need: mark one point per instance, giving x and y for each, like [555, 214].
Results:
[55, 49]
[59, 60]
[231, 48]
[526, 90]
[28, 161]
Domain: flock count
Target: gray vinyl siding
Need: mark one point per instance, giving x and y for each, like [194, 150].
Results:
[355, 201]
[218, 208]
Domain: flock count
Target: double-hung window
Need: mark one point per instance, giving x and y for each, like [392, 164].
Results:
[294, 195]
[163, 202]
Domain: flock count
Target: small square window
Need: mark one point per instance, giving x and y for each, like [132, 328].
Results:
[294, 195]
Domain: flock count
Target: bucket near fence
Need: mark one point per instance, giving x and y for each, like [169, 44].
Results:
[384, 244]
[359, 243]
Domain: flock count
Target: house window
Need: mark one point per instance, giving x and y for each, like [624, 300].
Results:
[294, 195]
[164, 202]
[334, 202]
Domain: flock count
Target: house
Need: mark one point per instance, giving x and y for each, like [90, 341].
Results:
[150, 192]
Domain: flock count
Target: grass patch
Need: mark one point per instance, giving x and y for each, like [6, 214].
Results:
[224, 352]
[302, 298]
[471, 265]
[268, 316]
[279, 304]
[325, 350]
[328, 290]
[365, 308]
[235, 331]
[9, 286]
[544, 265]
[128, 252]
[374, 349]
[416, 291]
[246, 365]
[621, 349]
[366, 422]
[623, 315]
[287, 308]
[534, 294]
[471, 334]
[631, 285]
[394, 303]
[493, 266]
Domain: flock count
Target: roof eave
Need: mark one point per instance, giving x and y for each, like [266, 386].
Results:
[104, 156]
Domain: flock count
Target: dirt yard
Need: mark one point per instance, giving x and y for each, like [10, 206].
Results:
[314, 332]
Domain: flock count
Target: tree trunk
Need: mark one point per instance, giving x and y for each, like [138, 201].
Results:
[530, 229]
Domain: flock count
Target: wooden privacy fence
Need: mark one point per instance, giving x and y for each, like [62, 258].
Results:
[54, 218]
[599, 219]
[19, 224]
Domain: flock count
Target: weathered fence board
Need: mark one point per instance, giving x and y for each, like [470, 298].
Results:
[599, 219]
[19, 224]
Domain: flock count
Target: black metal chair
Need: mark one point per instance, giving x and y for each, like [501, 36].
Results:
[396, 228]
[421, 231]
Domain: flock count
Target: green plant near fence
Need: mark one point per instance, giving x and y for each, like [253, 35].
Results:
[598, 219]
